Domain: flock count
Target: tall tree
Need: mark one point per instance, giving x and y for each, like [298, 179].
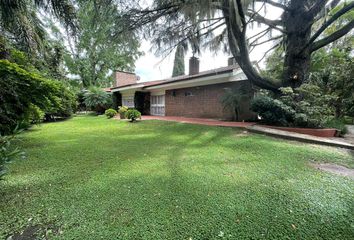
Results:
[99, 50]
[178, 65]
[226, 22]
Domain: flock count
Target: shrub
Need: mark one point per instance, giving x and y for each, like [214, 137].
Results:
[20, 90]
[97, 100]
[110, 113]
[133, 114]
[34, 114]
[338, 124]
[273, 111]
[122, 111]
[8, 153]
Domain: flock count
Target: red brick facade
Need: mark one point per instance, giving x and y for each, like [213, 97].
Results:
[124, 78]
[204, 102]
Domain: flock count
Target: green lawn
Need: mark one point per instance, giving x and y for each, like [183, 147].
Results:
[94, 178]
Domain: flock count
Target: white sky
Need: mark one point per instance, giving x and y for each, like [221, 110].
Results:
[150, 67]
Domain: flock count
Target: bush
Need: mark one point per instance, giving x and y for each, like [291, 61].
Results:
[21, 90]
[8, 153]
[338, 124]
[110, 113]
[122, 111]
[133, 114]
[273, 111]
[97, 100]
[34, 114]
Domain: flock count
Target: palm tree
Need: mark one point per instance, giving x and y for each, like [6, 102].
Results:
[20, 23]
[232, 99]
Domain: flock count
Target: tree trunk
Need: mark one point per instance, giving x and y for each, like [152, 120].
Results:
[239, 49]
[297, 24]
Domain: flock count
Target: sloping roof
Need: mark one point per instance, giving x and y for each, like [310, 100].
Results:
[216, 71]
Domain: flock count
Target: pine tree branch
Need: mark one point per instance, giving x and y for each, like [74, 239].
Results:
[254, 43]
[272, 23]
[242, 15]
[333, 37]
[275, 4]
[331, 6]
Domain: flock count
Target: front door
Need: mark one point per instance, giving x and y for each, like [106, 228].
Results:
[157, 105]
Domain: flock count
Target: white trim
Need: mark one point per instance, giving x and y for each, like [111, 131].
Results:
[135, 87]
[156, 93]
[215, 79]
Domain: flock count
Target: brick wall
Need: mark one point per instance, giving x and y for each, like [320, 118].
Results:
[124, 78]
[204, 102]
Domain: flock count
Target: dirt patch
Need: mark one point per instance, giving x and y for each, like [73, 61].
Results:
[242, 134]
[35, 232]
[28, 233]
[336, 169]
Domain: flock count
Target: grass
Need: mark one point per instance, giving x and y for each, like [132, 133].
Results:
[93, 178]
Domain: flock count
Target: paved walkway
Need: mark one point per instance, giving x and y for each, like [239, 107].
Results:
[350, 135]
[200, 121]
[252, 127]
[334, 142]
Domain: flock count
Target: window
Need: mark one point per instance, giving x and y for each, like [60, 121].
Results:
[157, 105]
[128, 101]
[188, 94]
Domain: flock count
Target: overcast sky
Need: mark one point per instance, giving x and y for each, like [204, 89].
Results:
[150, 67]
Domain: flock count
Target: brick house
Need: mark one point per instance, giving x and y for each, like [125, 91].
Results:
[197, 94]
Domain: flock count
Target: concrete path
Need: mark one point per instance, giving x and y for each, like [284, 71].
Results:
[252, 127]
[349, 137]
[334, 142]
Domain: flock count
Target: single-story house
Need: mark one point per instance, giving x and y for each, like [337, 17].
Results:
[196, 95]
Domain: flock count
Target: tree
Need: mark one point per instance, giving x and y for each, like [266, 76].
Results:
[233, 98]
[225, 23]
[98, 100]
[178, 65]
[331, 69]
[99, 50]
[19, 21]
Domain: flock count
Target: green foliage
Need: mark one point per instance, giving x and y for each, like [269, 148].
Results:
[19, 20]
[133, 115]
[273, 111]
[8, 152]
[97, 100]
[102, 45]
[24, 93]
[110, 113]
[34, 114]
[305, 106]
[309, 101]
[233, 97]
[333, 72]
[122, 111]
[178, 65]
[338, 124]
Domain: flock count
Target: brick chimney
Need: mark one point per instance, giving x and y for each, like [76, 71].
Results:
[193, 65]
[231, 61]
[124, 78]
